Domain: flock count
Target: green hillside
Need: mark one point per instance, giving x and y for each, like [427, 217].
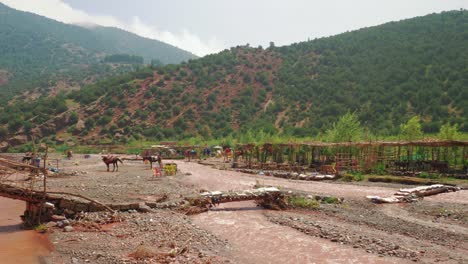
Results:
[36, 51]
[384, 74]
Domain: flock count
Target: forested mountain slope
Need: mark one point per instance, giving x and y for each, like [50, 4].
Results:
[37, 52]
[385, 74]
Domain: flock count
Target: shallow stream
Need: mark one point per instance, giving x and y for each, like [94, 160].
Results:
[16, 244]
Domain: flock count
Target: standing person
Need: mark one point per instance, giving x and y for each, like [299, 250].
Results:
[227, 153]
[193, 153]
[159, 160]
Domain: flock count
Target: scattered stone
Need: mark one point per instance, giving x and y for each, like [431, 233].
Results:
[68, 229]
[58, 218]
[51, 224]
[49, 205]
[142, 207]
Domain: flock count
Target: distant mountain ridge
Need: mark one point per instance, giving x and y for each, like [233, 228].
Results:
[36, 50]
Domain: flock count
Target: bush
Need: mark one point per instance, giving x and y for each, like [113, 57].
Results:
[357, 176]
[41, 228]
[380, 170]
[352, 176]
[331, 200]
[426, 175]
[303, 202]
[73, 118]
[3, 132]
[347, 177]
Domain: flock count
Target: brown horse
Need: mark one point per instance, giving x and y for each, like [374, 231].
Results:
[111, 159]
[152, 159]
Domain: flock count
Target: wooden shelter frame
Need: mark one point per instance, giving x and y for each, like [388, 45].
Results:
[377, 156]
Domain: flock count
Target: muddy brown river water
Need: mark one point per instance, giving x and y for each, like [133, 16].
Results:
[257, 240]
[16, 244]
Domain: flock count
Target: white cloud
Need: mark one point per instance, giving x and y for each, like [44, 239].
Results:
[185, 40]
[60, 11]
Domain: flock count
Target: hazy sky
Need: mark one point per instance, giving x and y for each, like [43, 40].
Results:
[207, 26]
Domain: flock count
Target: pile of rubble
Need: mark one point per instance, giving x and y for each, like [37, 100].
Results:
[412, 194]
[60, 221]
[306, 176]
[217, 197]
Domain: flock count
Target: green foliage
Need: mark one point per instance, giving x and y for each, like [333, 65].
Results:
[3, 132]
[348, 128]
[303, 202]
[42, 228]
[15, 124]
[384, 74]
[89, 123]
[331, 200]
[427, 175]
[448, 132]
[123, 58]
[352, 176]
[412, 129]
[104, 120]
[73, 118]
[380, 170]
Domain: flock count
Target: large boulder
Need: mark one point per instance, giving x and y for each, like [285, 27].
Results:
[80, 125]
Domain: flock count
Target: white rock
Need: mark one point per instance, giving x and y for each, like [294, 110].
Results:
[49, 205]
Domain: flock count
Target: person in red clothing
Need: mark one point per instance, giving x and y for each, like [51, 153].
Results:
[227, 154]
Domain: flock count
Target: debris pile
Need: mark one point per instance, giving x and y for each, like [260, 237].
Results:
[412, 194]
[306, 176]
[217, 197]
